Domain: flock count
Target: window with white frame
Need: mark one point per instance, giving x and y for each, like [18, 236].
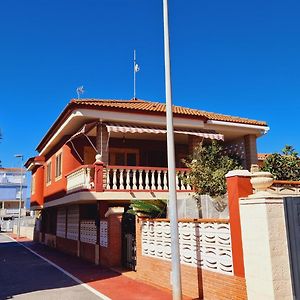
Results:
[58, 165]
[48, 172]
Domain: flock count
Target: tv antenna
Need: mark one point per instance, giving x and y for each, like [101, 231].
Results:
[79, 91]
[136, 68]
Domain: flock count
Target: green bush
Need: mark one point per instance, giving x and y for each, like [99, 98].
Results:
[208, 166]
[149, 208]
[283, 166]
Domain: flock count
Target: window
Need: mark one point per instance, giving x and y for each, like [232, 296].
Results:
[48, 172]
[58, 166]
[124, 157]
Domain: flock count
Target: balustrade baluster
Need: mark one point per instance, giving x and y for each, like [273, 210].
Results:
[128, 179]
[134, 186]
[121, 179]
[88, 178]
[147, 187]
[165, 180]
[115, 179]
[141, 180]
[107, 179]
[177, 182]
[182, 177]
[188, 187]
[159, 187]
[153, 187]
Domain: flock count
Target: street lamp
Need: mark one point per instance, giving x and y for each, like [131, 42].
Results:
[176, 274]
[21, 192]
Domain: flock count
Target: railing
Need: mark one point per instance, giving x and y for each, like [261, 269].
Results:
[80, 178]
[144, 178]
[284, 187]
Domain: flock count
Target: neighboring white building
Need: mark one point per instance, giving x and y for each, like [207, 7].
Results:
[10, 184]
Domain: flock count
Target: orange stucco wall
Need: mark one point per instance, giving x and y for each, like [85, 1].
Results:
[37, 198]
[57, 187]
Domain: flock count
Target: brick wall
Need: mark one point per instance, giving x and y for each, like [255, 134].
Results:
[111, 256]
[196, 283]
[87, 252]
[66, 245]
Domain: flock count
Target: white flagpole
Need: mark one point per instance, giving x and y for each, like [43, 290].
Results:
[134, 75]
[176, 273]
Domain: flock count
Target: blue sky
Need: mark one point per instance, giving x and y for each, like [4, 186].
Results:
[233, 57]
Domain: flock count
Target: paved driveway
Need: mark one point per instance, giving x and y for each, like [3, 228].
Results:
[23, 275]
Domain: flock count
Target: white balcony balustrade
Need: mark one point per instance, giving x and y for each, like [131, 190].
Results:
[144, 178]
[79, 179]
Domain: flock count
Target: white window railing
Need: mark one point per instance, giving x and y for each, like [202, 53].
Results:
[79, 179]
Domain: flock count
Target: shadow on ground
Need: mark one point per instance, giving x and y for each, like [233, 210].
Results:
[22, 272]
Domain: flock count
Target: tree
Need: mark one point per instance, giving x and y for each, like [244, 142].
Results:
[209, 165]
[283, 166]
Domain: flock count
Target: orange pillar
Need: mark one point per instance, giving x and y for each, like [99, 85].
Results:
[98, 176]
[238, 185]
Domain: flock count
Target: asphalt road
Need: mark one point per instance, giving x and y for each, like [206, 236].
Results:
[23, 275]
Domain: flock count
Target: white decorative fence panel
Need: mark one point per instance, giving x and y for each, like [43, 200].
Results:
[103, 234]
[88, 232]
[61, 222]
[206, 245]
[285, 189]
[73, 222]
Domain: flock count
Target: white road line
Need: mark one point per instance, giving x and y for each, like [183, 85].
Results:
[94, 291]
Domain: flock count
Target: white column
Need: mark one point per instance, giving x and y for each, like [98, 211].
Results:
[159, 187]
[265, 248]
[128, 179]
[153, 187]
[134, 186]
[147, 187]
[107, 179]
[141, 180]
[165, 180]
[121, 180]
[115, 179]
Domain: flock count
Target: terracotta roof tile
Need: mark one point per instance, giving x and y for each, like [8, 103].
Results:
[147, 106]
[262, 156]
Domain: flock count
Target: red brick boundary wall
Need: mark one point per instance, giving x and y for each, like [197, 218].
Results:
[196, 282]
[111, 256]
[66, 245]
[87, 251]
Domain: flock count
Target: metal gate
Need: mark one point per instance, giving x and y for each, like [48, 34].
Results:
[292, 218]
[128, 241]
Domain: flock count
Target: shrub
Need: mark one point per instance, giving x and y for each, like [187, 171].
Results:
[283, 166]
[149, 208]
[208, 166]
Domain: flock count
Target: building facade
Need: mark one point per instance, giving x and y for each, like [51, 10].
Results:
[100, 155]
[10, 185]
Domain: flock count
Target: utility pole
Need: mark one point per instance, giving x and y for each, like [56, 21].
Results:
[176, 273]
[21, 192]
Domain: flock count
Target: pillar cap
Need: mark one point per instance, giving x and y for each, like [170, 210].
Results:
[114, 210]
[238, 173]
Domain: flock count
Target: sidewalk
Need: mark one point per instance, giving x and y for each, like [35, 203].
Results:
[110, 283]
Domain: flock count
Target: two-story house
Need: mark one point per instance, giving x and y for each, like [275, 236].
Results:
[101, 154]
